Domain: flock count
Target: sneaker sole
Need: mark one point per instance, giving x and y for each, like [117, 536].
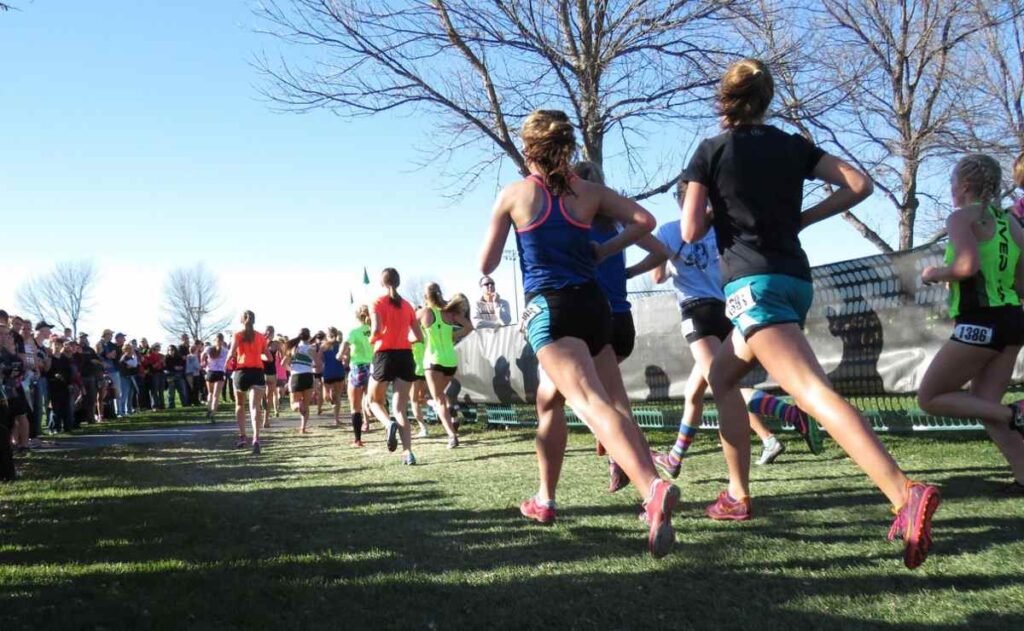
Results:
[814, 441]
[920, 540]
[672, 473]
[532, 517]
[615, 487]
[662, 536]
[392, 437]
[771, 459]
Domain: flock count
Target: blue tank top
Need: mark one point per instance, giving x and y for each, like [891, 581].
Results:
[611, 273]
[333, 369]
[554, 249]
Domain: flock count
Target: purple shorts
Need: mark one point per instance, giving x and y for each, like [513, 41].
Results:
[359, 376]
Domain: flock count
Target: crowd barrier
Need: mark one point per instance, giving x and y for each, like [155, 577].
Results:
[873, 325]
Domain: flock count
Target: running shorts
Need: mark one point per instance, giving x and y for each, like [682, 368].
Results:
[623, 334]
[579, 311]
[269, 369]
[245, 379]
[333, 380]
[755, 302]
[447, 371]
[990, 327]
[394, 364]
[214, 376]
[359, 376]
[300, 382]
[704, 317]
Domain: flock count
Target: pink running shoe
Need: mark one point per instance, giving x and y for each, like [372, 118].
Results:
[617, 478]
[663, 462]
[914, 522]
[658, 510]
[532, 510]
[728, 509]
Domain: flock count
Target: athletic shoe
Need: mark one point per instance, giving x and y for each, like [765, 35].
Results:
[453, 442]
[255, 449]
[409, 459]
[242, 442]
[808, 429]
[665, 464]
[771, 451]
[392, 439]
[728, 509]
[422, 433]
[356, 443]
[1017, 416]
[914, 522]
[600, 450]
[617, 478]
[658, 510]
[532, 510]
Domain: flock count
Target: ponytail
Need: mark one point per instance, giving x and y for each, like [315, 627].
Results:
[248, 322]
[392, 280]
[434, 297]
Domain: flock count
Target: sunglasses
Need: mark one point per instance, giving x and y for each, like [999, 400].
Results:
[487, 285]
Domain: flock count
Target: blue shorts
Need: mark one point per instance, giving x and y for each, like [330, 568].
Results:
[359, 376]
[754, 302]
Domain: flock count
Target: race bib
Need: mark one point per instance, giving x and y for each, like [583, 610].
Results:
[739, 302]
[973, 334]
[688, 327]
[531, 311]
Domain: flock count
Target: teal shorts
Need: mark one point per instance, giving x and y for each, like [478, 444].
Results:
[754, 302]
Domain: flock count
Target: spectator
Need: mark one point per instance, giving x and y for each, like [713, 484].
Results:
[174, 368]
[69, 337]
[109, 354]
[128, 365]
[145, 379]
[491, 310]
[192, 380]
[9, 386]
[12, 376]
[157, 380]
[90, 369]
[59, 378]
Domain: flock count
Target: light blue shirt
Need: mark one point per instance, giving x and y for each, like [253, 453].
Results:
[693, 266]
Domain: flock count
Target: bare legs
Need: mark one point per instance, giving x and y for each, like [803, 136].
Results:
[300, 404]
[552, 437]
[378, 399]
[437, 383]
[255, 396]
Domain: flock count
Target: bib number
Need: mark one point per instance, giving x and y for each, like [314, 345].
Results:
[531, 311]
[739, 302]
[972, 334]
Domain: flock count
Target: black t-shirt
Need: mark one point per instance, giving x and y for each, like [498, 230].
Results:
[755, 178]
[60, 371]
[88, 362]
[174, 364]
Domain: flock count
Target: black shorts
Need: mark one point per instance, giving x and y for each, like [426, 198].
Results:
[447, 371]
[392, 365]
[623, 334]
[334, 380]
[300, 382]
[245, 379]
[705, 317]
[269, 369]
[579, 311]
[18, 405]
[991, 327]
[214, 376]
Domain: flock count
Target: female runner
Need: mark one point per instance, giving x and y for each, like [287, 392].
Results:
[270, 361]
[567, 319]
[439, 320]
[757, 221]
[985, 272]
[247, 352]
[300, 358]
[357, 354]
[213, 360]
[334, 372]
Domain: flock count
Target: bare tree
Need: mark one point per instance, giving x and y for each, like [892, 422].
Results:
[191, 301]
[622, 70]
[413, 288]
[62, 296]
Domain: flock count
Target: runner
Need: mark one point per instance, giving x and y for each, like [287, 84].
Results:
[213, 359]
[270, 363]
[334, 372]
[694, 269]
[318, 372]
[300, 357]
[246, 355]
[567, 319]
[439, 320]
[357, 354]
[282, 375]
[984, 269]
[418, 390]
[757, 219]
[392, 320]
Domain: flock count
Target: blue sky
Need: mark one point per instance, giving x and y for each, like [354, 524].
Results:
[134, 134]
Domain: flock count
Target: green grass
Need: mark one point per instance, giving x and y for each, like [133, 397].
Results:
[150, 420]
[315, 535]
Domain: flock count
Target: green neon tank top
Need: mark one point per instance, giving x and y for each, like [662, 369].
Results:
[440, 346]
[994, 284]
[361, 352]
[417, 356]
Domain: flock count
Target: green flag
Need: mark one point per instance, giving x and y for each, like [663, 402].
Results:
[351, 298]
[366, 277]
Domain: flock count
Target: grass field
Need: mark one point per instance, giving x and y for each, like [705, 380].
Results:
[314, 535]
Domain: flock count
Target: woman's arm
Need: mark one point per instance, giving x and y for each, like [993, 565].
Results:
[656, 257]
[344, 353]
[497, 233]
[467, 327]
[636, 221]
[695, 221]
[852, 187]
[965, 245]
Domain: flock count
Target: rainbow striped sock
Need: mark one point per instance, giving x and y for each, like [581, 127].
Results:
[765, 404]
[686, 434]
